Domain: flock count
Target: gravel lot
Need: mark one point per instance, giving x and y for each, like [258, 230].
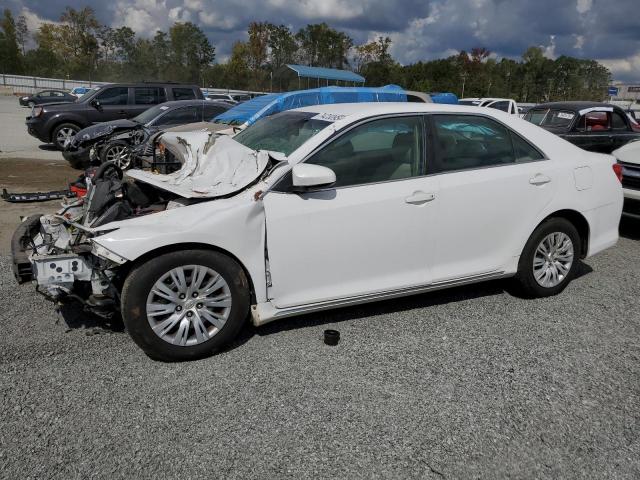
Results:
[466, 383]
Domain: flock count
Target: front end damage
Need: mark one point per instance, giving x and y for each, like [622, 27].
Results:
[62, 254]
[57, 253]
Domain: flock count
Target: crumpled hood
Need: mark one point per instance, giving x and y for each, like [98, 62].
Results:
[212, 165]
[95, 132]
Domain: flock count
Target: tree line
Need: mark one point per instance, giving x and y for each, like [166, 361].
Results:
[80, 47]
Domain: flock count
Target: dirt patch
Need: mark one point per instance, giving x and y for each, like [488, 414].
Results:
[23, 175]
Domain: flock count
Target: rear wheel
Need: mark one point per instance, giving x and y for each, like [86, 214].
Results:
[185, 305]
[549, 259]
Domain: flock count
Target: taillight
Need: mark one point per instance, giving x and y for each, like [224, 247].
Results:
[617, 169]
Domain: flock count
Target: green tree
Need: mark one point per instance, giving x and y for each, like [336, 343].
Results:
[283, 46]
[191, 52]
[10, 58]
[323, 46]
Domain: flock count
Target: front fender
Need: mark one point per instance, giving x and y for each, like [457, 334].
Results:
[235, 225]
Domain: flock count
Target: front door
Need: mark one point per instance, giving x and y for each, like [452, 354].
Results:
[371, 232]
[113, 103]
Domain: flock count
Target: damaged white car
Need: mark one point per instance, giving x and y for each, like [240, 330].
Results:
[318, 208]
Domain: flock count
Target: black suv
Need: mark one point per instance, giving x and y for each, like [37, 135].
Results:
[56, 123]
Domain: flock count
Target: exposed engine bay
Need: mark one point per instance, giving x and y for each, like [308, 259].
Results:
[55, 251]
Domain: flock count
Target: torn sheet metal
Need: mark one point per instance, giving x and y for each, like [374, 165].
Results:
[212, 165]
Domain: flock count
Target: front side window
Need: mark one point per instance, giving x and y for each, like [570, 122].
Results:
[183, 94]
[283, 132]
[149, 96]
[180, 116]
[468, 142]
[378, 151]
[113, 96]
[593, 122]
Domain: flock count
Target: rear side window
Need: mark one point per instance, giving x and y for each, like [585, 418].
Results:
[468, 142]
[593, 122]
[149, 96]
[114, 96]
[183, 94]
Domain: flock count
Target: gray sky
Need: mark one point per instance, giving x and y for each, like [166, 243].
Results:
[606, 30]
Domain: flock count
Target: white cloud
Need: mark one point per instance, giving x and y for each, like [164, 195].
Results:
[142, 16]
[583, 6]
[579, 42]
[620, 66]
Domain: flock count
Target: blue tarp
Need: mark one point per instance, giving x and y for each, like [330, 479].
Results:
[251, 111]
[444, 97]
[326, 73]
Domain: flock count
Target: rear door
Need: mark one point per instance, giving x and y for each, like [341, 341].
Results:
[492, 186]
[144, 98]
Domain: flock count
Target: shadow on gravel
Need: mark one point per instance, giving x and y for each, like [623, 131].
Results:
[441, 297]
[48, 148]
[76, 317]
[630, 228]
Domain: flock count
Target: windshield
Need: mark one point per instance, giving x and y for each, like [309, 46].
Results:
[550, 118]
[150, 114]
[283, 132]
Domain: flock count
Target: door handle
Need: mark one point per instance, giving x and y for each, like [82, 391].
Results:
[418, 198]
[539, 179]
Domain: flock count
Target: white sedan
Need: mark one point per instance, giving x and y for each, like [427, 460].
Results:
[321, 207]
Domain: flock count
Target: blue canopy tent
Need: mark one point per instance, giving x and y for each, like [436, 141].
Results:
[328, 74]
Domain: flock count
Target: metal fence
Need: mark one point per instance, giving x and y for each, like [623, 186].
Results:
[23, 84]
[20, 84]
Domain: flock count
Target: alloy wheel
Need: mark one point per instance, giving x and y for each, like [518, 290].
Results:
[188, 305]
[119, 154]
[552, 259]
[64, 134]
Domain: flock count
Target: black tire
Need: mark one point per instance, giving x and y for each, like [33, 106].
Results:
[525, 279]
[140, 281]
[56, 131]
[104, 152]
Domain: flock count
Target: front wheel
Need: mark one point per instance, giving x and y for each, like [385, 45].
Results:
[118, 152]
[185, 305]
[549, 259]
[63, 133]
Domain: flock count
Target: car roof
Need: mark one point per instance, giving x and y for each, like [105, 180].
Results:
[572, 106]
[353, 111]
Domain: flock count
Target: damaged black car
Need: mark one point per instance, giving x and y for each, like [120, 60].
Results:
[113, 141]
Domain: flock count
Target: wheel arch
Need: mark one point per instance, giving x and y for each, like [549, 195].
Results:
[577, 220]
[124, 272]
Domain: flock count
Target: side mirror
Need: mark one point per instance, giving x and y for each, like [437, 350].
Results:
[96, 104]
[306, 175]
